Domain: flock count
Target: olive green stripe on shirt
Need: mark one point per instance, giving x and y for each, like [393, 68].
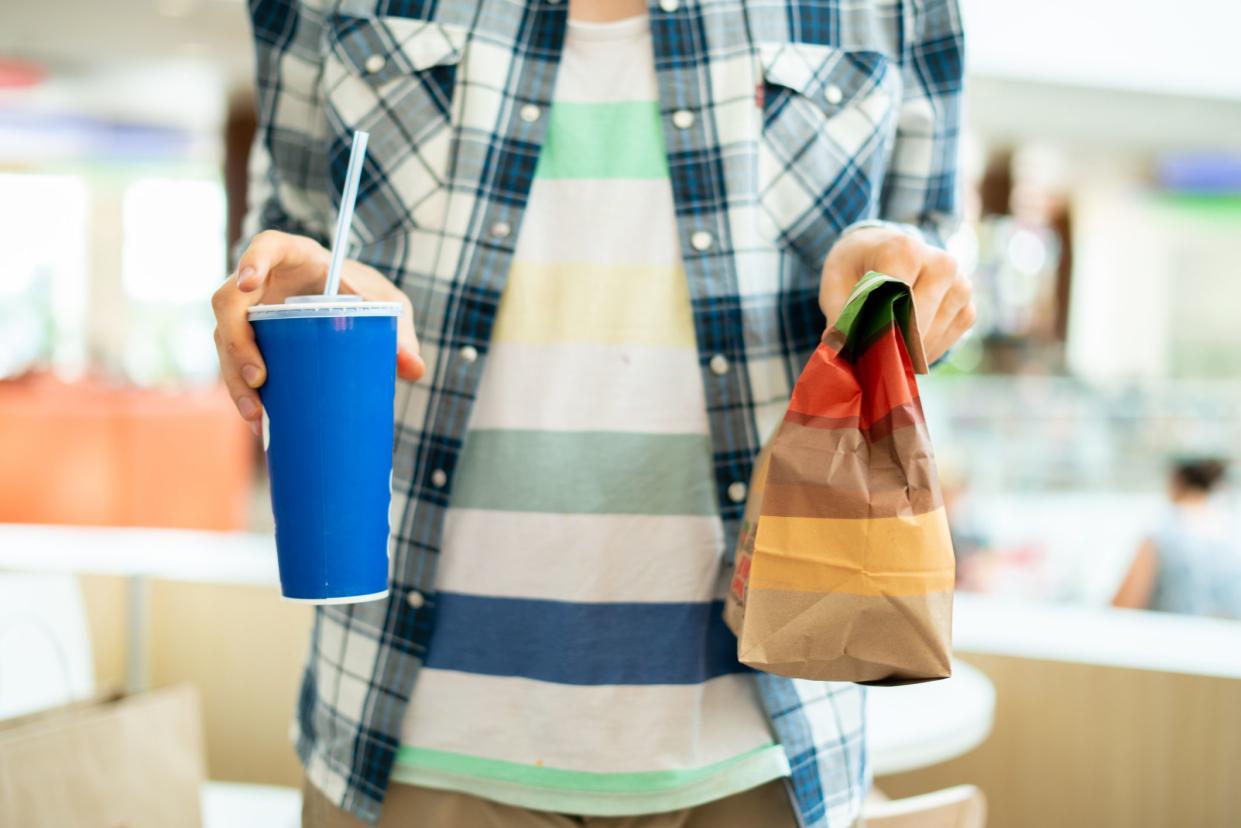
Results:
[620, 139]
[585, 472]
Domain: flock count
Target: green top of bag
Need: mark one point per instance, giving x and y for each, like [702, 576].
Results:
[876, 302]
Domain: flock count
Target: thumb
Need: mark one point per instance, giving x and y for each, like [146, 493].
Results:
[838, 281]
[409, 364]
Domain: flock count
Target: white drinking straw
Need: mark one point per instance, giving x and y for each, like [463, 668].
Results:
[347, 198]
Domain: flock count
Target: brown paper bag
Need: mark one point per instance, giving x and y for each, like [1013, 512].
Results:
[131, 761]
[844, 567]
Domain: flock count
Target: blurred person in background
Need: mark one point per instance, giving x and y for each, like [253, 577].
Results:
[1191, 563]
[620, 233]
[970, 544]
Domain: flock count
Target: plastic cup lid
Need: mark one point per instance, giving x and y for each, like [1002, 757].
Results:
[344, 304]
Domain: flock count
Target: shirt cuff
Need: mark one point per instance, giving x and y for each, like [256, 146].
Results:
[908, 229]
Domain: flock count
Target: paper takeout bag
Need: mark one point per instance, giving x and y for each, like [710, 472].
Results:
[133, 761]
[844, 568]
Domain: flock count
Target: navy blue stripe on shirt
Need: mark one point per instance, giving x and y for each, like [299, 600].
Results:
[583, 643]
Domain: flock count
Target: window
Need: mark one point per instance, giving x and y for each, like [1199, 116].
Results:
[43, 274]
[173, 258]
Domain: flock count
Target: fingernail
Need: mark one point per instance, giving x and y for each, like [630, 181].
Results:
[245, 273]
[247, 407]
[252, 375]
[254, 426]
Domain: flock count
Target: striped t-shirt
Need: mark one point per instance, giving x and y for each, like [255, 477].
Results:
[579, 661]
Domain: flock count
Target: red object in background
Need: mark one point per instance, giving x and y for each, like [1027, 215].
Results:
[88, 454]
[16, 73]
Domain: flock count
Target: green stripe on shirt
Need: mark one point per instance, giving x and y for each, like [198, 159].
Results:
[601, 794]
[544, 777]
[585, 472]
[620, 139]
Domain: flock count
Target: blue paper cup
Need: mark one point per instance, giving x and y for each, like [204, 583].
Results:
[327, 431]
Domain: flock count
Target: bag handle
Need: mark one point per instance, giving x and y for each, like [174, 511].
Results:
[20, 622]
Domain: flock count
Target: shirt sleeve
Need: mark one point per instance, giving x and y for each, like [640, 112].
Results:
[920, 189]
[289, 185]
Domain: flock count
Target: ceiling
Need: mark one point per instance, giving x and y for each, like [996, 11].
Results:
[74, 36]
[166, 62]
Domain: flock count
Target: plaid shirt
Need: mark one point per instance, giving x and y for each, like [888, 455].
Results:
[805, 117]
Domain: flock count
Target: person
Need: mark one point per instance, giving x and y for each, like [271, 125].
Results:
[1191, 563]
[617, 232]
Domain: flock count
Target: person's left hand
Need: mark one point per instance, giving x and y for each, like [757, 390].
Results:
[942, 295]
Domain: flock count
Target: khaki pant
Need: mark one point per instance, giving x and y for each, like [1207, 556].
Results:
[407, 806]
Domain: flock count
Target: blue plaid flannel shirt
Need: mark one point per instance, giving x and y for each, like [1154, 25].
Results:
[810, 116]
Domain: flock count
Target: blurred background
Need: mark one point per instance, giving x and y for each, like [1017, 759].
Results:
[1102, 161]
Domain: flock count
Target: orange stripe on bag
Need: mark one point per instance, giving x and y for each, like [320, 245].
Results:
[883, 556]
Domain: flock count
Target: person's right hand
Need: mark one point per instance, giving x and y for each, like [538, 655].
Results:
[274, 267]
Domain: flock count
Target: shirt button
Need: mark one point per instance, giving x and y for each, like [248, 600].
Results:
[501, 229]
[469, 353]
[702, 240]
[530, 113]
[375, 63]
[718, 364]
[415, 599]
[438, 478]
[682, 119]
[736, 491]
[833, 94]
[669, 5]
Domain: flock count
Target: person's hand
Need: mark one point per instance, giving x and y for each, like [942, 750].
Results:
[942, 295]
[274, 267]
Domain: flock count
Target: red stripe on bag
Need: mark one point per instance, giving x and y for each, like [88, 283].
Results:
[886, 375]
[856, 395]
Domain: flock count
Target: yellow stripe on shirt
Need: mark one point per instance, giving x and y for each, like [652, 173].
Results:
[560, 303]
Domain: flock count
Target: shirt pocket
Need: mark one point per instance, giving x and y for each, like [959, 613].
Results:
[396, 79]
[829, 118]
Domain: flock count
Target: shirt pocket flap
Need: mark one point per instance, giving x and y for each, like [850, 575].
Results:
[381, 49]
[832, 78]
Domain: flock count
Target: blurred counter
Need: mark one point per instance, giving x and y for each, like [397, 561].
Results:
[990, 625]
[1100, 636]
[184, 555]
[1101, 716]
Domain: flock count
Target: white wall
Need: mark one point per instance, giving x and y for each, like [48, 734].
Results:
[1184, 48]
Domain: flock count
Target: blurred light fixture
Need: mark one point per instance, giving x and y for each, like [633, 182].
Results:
[1026, 251]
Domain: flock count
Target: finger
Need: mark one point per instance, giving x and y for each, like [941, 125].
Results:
[243, 396]
[238, 351]
[409, 365]
[957, 297]
[272, 251]
[835, 286]
[831, 301]
[409, 362]
[957, 328]
[935, 278]
[900, 256]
